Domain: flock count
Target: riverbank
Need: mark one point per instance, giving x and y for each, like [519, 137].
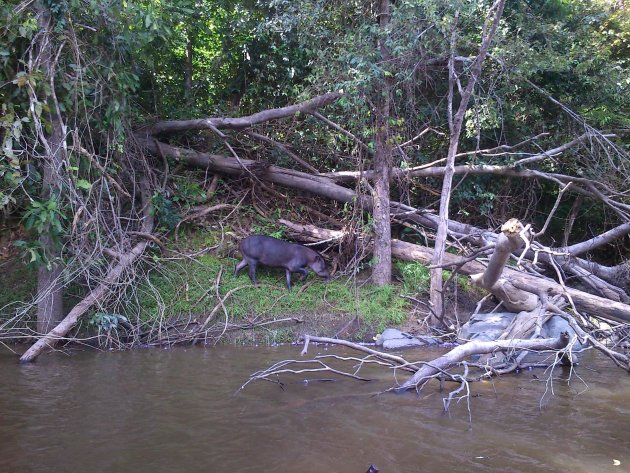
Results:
[189, 287]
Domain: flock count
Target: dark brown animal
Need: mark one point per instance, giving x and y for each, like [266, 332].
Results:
[269, 251]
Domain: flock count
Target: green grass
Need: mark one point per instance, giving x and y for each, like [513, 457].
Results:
[188, 288]
[416, 278]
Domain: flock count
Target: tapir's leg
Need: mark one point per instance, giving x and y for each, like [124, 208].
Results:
[288, 279]
[240, 266]
[252, 271]
[303, 272]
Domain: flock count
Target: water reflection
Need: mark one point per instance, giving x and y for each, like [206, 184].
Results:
[178, 411]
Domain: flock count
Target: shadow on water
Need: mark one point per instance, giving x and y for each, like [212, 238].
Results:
[181, 411]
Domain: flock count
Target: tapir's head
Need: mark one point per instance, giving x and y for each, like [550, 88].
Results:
[319, 266]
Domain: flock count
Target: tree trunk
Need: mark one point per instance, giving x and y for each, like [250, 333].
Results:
[455, 125]
[49, 283]
[382, 269]
[63, 327]
[49, 289]
[188, 71]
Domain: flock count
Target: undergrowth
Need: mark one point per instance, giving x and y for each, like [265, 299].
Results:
[18, 282]
[188, 288]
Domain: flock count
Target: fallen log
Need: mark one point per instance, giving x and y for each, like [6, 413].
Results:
[588, 303]
[238, 123]
[61, 330]
[459, 353]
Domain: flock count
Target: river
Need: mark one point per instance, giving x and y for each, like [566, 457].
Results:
[180, 410]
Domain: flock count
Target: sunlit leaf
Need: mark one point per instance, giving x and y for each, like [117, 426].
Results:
[83, 184]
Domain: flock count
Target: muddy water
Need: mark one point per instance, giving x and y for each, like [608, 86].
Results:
[177, 411]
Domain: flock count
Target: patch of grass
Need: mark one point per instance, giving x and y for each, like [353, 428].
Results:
[378, 307]
[416, 277]
[188, 289]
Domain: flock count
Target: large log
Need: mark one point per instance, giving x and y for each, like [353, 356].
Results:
[315, 184]
[461, 352]
[593, 305]
[588, 303]
[62, 329]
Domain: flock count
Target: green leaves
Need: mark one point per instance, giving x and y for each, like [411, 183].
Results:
[44, 218]
[83, 184]
[32, 253]
[107, 322]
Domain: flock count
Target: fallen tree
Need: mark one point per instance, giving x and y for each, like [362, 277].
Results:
[423, 371]
[322, 186]
[588, 303]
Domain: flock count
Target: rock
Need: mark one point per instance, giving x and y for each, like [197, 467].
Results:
[555, 326]
[429, 341]
[392, 339]
[485, 327]
[488, 327]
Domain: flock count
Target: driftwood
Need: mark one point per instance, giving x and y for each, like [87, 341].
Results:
[422, 371]
[588, 303]
[513, 298]
[459, 353]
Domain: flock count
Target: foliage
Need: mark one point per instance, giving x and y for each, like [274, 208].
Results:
[45, 218]
[415, 277]
[165, 212]
[106, 322]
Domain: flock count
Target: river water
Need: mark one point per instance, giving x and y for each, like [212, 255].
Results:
[180, 410]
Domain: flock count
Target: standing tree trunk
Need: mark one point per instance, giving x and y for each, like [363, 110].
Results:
[188, 71]
[382, 270]
[49, 282]
[455, 125]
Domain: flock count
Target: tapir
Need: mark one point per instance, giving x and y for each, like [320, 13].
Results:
[270, 251]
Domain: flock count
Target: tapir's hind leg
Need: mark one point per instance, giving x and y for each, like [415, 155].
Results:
[240, 266]
[252, 271]
[288, 272]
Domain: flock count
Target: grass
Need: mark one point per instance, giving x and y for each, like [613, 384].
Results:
[188, 288]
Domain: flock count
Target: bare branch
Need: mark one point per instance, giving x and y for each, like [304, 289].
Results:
[239, 123]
